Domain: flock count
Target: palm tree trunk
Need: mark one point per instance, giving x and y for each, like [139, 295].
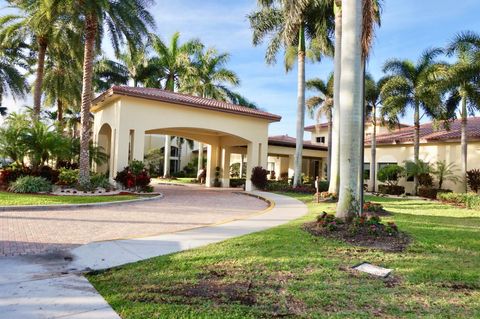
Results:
[334, 150]
[60, 113]
[361, 144]
[464, 143]
[351, 107]
[300, 108]
[373, 145]
[416, 144]
[84, 165]
[37, 91]
[330, 128]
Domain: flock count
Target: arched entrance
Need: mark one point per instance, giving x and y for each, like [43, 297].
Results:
[104, 140]
[221, 126]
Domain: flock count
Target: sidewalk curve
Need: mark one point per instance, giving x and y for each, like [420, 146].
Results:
[46, 289]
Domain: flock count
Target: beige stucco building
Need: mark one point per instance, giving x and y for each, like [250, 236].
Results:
[130, 121]
[396, 146]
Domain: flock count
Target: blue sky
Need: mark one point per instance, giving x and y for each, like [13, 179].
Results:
[408, 28]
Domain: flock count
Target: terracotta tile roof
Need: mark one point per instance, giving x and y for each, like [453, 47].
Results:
[184, 99]
[429, 132]
[285, 140]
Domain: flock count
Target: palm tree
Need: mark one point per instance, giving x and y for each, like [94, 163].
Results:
[351, 109]
[324, 105]
[126, 19]
[462, 84]
[411, 86]
[63, 76]
[293, 23]
[208, 77]
[12, 81]
[108, 72]
[42, 24]
[172, 62]
[373, 103]
[445, 172]
[135, 62]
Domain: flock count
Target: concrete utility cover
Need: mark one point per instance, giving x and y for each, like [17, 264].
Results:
[373, 270]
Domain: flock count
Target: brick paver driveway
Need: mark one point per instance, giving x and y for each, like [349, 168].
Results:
[33, 232]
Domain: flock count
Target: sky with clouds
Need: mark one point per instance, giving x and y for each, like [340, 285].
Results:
[408, 28]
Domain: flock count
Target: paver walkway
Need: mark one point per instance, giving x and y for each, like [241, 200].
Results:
[33, 232]
[52, 286]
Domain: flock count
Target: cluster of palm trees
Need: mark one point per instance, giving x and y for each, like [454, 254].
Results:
[59, 44]
[350, 96]
[314, 29]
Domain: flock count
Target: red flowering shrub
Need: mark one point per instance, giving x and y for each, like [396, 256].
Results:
[138, 179]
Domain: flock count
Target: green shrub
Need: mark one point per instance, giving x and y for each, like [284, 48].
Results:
[100, 181]
[30, 184]
[390, 174]
[323, 186]
[237, 182]
[469, 200]
[68, 177]
[391, 189]
[136, 167]
[431, 193]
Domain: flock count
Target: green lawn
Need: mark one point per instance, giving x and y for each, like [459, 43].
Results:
[180, 180]
[12, 199]
[287, 272]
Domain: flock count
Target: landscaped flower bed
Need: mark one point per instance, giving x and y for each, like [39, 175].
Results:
[468, 200]
[365, 230]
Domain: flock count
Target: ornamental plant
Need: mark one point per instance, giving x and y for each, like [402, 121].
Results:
[135, 177]
[30, 184]
[473, 179]
[259, 177]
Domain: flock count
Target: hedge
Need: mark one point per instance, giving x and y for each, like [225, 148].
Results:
[391, 189]
[431, 193]
[469, 200]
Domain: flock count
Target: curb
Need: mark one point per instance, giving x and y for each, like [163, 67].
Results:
[53, 207]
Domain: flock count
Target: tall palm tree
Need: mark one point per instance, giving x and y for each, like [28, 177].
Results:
[373, 103]
[12, 81]
[323, 103]
[293, 23]
[411, 85]
[171, 62]
[208, 76]
[462, 82]
[63, 75]
[126, 19]
[108, 72]
[135, 61]
[42, 23]
[351, 109]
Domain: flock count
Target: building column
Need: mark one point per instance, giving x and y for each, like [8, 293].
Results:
[200, 158]
[166, 157]
[212, 163]
[121, 150]
[225, 166]
[252, 161]
[291, 166]
[242, 160]
[138, 145]
[113, 146]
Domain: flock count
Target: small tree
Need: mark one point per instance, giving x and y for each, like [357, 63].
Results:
[390, 174]
[421, 171]
[473, 179]
[445, 172]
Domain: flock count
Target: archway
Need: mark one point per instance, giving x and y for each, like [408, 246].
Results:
[104, 140]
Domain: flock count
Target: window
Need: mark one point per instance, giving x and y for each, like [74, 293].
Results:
[270, 166]
[320, 139]
[174, 151]
[366, 171]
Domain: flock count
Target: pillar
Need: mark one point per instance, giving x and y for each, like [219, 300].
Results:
[212, 162]
[291, 166]
[225, 166]
[139, 145]
[200, 158]
[252, 161]
[121, 150]
[241, 164]
[166, 157]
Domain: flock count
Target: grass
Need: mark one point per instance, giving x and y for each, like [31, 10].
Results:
[13, 199]
[180, 180]
[287, 272]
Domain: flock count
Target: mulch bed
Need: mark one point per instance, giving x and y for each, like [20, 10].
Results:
[391, 243]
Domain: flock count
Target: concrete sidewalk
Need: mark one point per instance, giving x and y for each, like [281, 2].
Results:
[53, 287]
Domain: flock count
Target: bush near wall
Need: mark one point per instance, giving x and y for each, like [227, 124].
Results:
[284, 186]
[431, 193]
[237, 182]
[391, 189]
[469, 200]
